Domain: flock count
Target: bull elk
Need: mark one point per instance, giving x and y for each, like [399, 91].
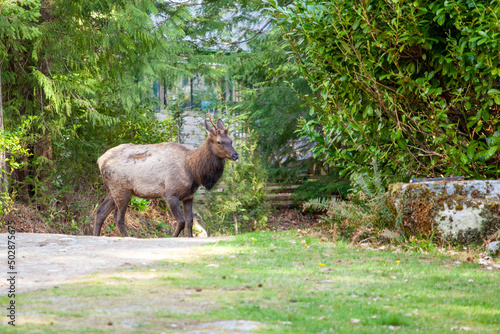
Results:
[167, 170]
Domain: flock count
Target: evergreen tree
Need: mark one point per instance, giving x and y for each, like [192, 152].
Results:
[65, 63]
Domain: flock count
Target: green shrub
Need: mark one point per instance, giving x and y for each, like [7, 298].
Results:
[240, 205]
[328, 186]
[362, 214]
[12, 154]
[413, 84]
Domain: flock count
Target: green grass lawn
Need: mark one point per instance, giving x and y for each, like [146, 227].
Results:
[289, 283]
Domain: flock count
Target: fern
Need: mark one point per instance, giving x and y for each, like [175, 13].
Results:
[317, 204]
[365, 210]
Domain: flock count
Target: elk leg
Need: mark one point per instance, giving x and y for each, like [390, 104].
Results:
[175, 208]
[103, 210]
[121, 201]
[188, 214]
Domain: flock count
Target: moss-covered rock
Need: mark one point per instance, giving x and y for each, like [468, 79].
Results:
[465, 211]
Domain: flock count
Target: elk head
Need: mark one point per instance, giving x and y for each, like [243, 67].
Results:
[222, 145]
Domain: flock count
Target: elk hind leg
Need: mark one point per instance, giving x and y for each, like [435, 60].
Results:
[103, 210]
[121, 200]
[188, 215]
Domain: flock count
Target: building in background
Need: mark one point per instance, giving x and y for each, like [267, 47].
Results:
[195, 93]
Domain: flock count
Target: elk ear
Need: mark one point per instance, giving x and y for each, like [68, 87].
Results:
[210, 129]
[220, 125]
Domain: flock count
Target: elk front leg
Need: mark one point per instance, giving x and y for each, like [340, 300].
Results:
[175, 208]
[188, 214]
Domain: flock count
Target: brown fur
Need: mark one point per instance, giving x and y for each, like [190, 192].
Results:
[167, 170]
[140, 156]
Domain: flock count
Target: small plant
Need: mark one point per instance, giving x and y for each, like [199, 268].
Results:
[424, 244]
[110, 227]
[364, 212]
[240, 205]
[139, 204]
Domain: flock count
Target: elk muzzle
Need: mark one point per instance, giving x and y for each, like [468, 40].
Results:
[234, 156]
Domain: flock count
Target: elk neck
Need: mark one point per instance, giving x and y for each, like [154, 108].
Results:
[206, 167]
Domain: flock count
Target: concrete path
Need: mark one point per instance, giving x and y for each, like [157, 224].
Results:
[192, 132]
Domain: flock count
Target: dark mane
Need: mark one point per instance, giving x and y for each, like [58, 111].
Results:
[205, 166]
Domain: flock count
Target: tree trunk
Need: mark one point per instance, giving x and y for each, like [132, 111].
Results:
[42, 148]
[191, 93]
[3, 165]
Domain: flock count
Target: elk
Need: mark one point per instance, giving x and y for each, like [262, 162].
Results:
[167, 170]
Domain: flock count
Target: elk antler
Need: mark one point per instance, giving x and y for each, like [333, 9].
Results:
[210, 118]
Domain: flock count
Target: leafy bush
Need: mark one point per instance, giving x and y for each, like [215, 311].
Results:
[12, 153]
[240, 204]
[365, 212]
[413, 84]
[328, 186]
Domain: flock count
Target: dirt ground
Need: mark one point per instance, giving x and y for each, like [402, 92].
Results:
[47, 260]
[44, 261]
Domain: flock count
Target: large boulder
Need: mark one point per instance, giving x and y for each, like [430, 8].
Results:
[462, 211]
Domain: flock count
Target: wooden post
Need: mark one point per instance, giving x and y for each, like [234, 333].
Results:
[235, 224]
[191, 93]
[165, 101]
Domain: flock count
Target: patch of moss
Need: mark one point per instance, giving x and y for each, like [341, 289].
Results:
[491, 222]
[459, 188]
[417, 210]
[417, 206]
[468, 237]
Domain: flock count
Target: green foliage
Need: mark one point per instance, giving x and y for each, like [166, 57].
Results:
[364, 212]
[328, 186]
[139, 204]
[276, 139]
[413, 84]
[82, 68]
[241, 202]
[148, 131]
[271, 83]
[15, 25]
[11, 143]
